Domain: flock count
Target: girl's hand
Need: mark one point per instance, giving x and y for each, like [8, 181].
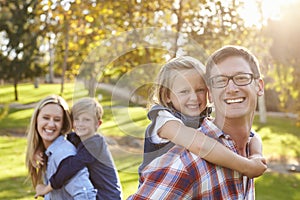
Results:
[256, 167]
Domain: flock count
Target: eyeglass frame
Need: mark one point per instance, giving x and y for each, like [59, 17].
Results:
[232, 78]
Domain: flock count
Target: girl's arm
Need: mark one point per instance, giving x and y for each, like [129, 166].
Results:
[256, 148]
[210, 149]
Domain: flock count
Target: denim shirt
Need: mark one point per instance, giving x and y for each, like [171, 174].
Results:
[79, 187]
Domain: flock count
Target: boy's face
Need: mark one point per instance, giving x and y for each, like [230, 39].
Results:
[85, 125]
[188, 93]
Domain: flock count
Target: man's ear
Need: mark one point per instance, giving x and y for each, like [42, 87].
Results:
[260, 87]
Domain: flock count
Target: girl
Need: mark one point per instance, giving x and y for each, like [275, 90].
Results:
[49, 123]
[180, 105]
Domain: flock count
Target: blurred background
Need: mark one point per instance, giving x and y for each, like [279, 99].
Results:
[112, 50]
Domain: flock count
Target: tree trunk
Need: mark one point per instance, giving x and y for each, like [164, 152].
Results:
[262, 109]
[51, 53]
[16, 89]
[65, 55]
[92, 86]
[36, 82]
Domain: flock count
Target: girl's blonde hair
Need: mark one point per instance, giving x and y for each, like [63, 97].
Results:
[34, 140]
[168, 73]
[87, 105]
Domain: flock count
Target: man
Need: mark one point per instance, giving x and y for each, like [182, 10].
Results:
[234, 83]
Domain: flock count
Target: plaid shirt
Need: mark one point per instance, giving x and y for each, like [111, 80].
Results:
[179, 174]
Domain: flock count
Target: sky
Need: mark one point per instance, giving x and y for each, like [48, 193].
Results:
[271, 9]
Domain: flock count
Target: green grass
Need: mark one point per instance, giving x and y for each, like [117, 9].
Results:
[13, 172]
[28, 94]
[281, 140]
[272, 186]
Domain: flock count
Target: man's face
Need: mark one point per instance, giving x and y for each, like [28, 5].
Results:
[232, 100]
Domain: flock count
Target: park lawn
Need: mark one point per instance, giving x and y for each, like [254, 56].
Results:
[28, 94]
[281, 140]
[13, 174]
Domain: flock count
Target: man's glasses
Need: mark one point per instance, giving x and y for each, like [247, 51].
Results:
[238, 79]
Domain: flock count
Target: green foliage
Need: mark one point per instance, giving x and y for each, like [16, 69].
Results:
[285, 63]
[20, 29]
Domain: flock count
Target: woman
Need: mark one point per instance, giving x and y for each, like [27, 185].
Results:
[49, 123]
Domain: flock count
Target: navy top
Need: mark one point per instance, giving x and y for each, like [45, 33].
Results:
[94, 154]
[152, 150]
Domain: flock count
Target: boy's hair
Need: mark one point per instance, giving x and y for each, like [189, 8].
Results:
[230, 51]
[168, 73]
[87, 105]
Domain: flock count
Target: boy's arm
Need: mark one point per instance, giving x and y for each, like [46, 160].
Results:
[69, 166]
[210, 149]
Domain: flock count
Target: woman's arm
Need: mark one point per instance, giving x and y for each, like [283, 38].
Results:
[210, 149]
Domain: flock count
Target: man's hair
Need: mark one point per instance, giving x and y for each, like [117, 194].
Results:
[87, 105]
[231, 51]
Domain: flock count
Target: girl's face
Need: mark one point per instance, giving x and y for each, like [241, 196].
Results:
[85, 125]
[50, 123]
[188, 93]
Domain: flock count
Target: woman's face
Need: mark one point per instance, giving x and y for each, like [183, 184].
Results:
[49, 123]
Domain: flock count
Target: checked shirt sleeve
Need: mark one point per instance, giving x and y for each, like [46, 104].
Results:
[167, 177]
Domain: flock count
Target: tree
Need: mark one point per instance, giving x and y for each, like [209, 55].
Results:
[21, 32]
[285, 50]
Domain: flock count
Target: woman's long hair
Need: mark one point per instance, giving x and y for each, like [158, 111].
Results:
[34, 140]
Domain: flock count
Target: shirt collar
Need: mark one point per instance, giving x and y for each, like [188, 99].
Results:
[55, 144]
[211, 129]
